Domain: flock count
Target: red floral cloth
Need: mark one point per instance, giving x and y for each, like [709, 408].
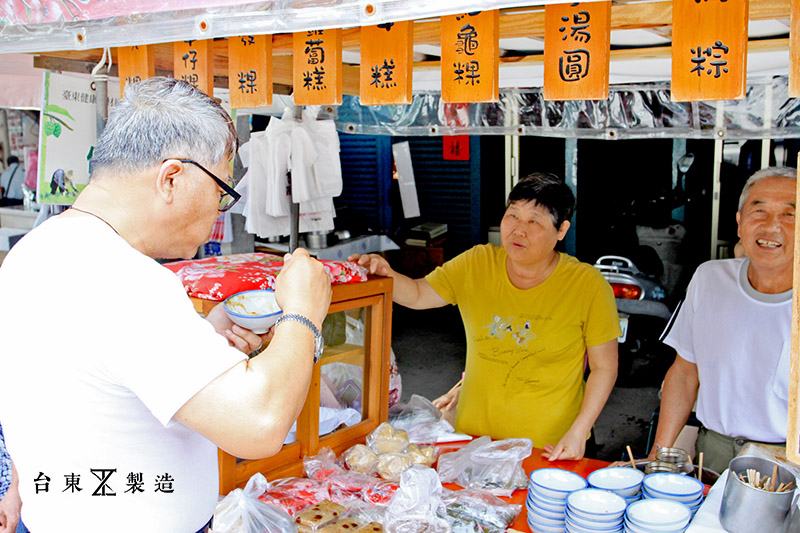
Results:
[216, 278]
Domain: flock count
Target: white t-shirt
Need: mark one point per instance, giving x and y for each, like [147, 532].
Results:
[100, 347]
[740, 341]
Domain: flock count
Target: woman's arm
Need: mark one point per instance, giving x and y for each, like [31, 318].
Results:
[602, 375]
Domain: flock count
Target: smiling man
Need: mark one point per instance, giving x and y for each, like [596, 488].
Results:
[732, 333]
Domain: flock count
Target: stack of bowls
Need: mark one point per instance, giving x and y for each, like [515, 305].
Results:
[594, 511]
[684, 489]
[657, 516]
[547, 498]
[627, 482]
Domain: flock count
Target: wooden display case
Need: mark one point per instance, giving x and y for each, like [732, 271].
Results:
[375, 297]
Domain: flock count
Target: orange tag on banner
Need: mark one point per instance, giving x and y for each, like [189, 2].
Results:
[136, 63]
[250, 71]
[470, 57]
[318, 67]
[192, 64]
[387, 52]
[794, 51]
[709, 49]
[577, 42]
[455, 147]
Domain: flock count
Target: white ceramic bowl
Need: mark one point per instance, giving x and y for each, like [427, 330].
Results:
[556, 506]
[674, 485]
[658, 515]
[548, 513]
[633, 528]
[545, 521]
[689, 501]
[590, 523]
[622, 480]
[573, 527]
[556, 483]
[596, 503]
[255, 310]
[541, 528]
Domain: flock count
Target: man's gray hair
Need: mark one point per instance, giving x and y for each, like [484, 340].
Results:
[769, 172]
[163, 118]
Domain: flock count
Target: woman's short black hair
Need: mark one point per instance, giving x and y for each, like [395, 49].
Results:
[547, 190]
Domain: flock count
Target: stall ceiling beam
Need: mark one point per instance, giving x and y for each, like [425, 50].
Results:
[660, 52]
[514, 24]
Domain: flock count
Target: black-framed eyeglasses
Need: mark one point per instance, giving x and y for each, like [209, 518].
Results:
[229, 197]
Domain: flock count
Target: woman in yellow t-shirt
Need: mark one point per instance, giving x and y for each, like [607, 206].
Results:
[532, 317]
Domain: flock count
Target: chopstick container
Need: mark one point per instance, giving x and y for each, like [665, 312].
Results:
[745, 508]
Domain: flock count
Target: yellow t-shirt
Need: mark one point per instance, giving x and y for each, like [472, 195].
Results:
[525, 348]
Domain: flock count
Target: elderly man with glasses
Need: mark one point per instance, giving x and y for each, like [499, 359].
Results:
[116, 394]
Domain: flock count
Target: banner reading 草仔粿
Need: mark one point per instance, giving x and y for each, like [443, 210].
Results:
[67, 133]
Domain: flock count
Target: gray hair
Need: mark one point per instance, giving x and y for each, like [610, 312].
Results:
[769, 172]
[163, 118]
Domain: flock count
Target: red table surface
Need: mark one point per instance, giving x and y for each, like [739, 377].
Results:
[534, 462]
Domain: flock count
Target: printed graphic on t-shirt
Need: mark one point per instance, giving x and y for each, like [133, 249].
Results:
[521, 333]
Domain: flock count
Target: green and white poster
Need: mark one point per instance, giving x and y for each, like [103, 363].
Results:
[67, 133]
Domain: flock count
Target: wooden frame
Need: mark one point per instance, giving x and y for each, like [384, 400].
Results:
[375, 295]
[793, 431]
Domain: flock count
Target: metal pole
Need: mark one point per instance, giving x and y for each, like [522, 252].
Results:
[718, 145]
[100, 85]
[294, 219]
[6, 138]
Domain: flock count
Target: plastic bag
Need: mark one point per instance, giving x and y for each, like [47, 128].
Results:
[492, 466]
[386, 439]
[321, 466]
[241, 511]
[417, 505]
[421, 419]
[476, 510]
[294, 494]
[452, 464]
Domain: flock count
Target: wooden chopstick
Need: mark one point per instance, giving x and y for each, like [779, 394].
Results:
[774, 477]
[700, 468]
[630, 456]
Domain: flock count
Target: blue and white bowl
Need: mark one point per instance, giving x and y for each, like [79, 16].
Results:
[573, 527]
[658, 515]
[673, 486]
[256, 310]
[556, 483]
[624, 481]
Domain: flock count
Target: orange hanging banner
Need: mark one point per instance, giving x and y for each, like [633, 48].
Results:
[193, 64]
[250, 71]
[318, 67]
[577, 44]
[387, 52]
[470, 57]
[794, 51]
[709, 49]
[136, 63]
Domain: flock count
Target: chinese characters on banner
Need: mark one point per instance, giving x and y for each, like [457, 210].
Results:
[577, 41]
[794, 51]
[709, 49]
[250, 71]
[386, 63]
[318, 67]
[470, 57]
[455, 147]
[101, 483]
[192, 64]
[136, 63]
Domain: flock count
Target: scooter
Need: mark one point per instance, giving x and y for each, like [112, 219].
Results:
[643, 359]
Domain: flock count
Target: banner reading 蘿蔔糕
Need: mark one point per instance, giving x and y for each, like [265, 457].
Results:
[67, 133]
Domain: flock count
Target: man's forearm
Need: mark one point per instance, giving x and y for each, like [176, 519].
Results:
[677, 400]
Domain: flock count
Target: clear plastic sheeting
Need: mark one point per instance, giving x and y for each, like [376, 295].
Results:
[631, 112]
[69, 25]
